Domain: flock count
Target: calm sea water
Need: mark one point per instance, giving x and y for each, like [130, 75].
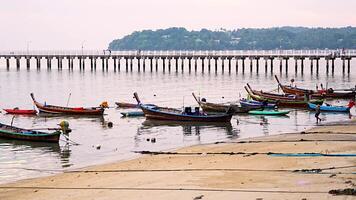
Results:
[90, 88]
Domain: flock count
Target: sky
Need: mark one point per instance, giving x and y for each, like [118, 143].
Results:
[93, 24]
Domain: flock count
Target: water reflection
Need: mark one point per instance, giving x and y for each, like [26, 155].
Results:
[45, 150]
[192, 128]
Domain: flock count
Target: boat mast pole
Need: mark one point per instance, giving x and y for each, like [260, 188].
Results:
[68, 98]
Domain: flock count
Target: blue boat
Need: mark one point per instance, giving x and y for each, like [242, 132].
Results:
[329, 108]
[256, 104]
[132, 114]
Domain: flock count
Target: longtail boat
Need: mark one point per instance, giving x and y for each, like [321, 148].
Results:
[12, 132]
[220, 107]
[126, 105]
[171, 114]
[330, 108]
[256, 104]
[281, 100]
[51, 109]
[16, 111]
[268, 112]
[323, 93]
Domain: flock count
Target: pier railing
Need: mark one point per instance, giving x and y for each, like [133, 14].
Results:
[232, 53]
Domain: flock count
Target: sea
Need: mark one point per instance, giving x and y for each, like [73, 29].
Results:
[92, 142]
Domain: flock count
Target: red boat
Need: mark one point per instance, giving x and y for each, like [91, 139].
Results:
[69, 110]
[323, 93]
[17, 111]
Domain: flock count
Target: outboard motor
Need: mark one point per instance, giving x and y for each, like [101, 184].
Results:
[196, 110]
[188, 110]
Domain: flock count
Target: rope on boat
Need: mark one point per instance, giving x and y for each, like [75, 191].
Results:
[69, 140]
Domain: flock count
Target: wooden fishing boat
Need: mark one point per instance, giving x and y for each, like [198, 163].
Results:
[256, 104]
[126, 105]
[12, 132]
[16, 111]
[324, 93]
[330, 108]
[133, 114]
[281, 100]
[268, 112]
[171, 114]
[220, 107]
[51, 109]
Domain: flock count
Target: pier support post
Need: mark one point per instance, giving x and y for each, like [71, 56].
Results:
[91, 64]
[164, 64]
[157, 59]
[327, 65]
[223, 64]
[131, 64]
[95, 59]
[49, 63]
[236, 65]
[37, 62]
[296, 66]
[286, 63]
[196, 64]
[209, 64]
[202, 64]
[115, 63]
[343, 66]
[311, 65]
[182, 64]
[190, 64]
[257, 64]
[144, 64]
[169, 64]
[317, 65]
[348, 65]
[243, 65]
[332, 65]
[18, 63]
[251, 63]
[266, 65]
[271, 65]
[7, 63]
[229, 65]
[127, 64]
[151, 64]
[216, 64]
[28, 59]
[138, 63]
[302, 65]
[280, 65]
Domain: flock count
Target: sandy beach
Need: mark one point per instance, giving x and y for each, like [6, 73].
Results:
[242, 169]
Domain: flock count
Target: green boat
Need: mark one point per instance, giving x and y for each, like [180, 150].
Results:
[268, 112]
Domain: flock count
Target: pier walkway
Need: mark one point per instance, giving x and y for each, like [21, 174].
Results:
[205, 59]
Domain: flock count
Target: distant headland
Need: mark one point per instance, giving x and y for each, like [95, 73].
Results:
[239, 39]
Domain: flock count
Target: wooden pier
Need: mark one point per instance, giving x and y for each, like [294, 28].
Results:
[205, 60]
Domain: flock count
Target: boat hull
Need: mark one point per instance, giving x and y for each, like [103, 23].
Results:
[158, 115]
[330, 108]
[9, 132]
[20, 112]
[268, 112]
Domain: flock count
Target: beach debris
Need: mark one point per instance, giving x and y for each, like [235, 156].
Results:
[153, 140]
[308, 170]
[332, 175]
[110, 124]
[346, 191]
[198, 197]
[259, 198]
[98, 147]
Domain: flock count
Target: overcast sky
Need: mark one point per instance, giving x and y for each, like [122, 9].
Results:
[66, 24]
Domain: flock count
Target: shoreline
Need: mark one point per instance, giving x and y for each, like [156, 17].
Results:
[204, 170]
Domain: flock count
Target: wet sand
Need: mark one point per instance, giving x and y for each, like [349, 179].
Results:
[210, 172]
